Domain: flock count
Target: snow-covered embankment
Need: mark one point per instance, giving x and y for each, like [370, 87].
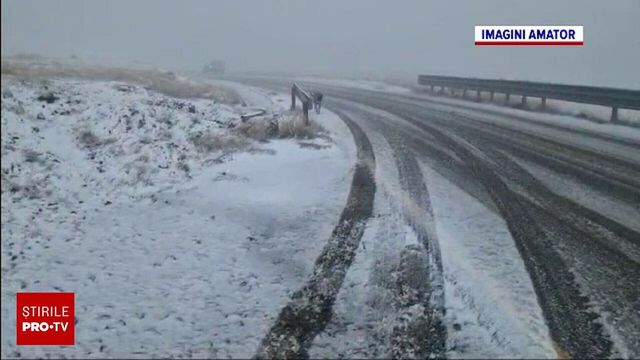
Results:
[179, 235]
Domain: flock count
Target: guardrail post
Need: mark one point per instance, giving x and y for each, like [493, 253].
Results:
[478, 95]
[614, 115]
[305, 112]
[432, 89]
[464, 93]
[506, 98]
[305, 99]
[544, 103]
[491, 96]
[524, 100]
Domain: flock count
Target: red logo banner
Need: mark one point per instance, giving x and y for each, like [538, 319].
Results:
[45, 318]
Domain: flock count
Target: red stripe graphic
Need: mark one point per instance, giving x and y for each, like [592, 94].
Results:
[534, 43]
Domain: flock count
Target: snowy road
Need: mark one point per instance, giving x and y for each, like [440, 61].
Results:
[412, 226]
[495, 233]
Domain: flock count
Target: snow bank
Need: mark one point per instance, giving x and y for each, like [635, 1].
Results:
[178, 236]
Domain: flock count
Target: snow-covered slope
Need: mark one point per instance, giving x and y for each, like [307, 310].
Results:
[179, 236]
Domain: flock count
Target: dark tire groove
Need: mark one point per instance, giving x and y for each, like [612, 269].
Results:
[418, 334]
[434, 331]
[310, 308]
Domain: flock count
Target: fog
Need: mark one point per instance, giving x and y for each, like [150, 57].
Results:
[334, 38]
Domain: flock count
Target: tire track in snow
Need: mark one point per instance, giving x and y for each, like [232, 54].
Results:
[573, 321]
[601, 230]
[310, 308]
[418, 331]
[597, 239]
[606, 172]
[494, 332]
[605, 270]
[569, 317]
[492, 309]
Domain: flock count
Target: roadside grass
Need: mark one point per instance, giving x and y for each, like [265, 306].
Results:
[211, 142]
[156, 80]
[286, 126]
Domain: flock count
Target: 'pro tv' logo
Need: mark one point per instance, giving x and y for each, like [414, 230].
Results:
[45, 318]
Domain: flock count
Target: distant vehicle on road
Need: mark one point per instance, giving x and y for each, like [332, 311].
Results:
[216, 67]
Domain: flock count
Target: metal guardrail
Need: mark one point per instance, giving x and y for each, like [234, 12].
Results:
[614, 98]
[305, 99]
[310, 100]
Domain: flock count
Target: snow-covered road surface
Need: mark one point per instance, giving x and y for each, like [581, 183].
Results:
[531, 216]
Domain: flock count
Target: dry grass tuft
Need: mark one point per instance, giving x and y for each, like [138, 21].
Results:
[210, 142]
[287, 126]
[32, 188]
[32, 156]
[293, 126]
[258, 129]
[88, 139]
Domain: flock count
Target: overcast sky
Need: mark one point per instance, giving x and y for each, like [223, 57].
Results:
[334, 37]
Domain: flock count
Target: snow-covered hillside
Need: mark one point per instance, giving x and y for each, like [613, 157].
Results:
[180, 234]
